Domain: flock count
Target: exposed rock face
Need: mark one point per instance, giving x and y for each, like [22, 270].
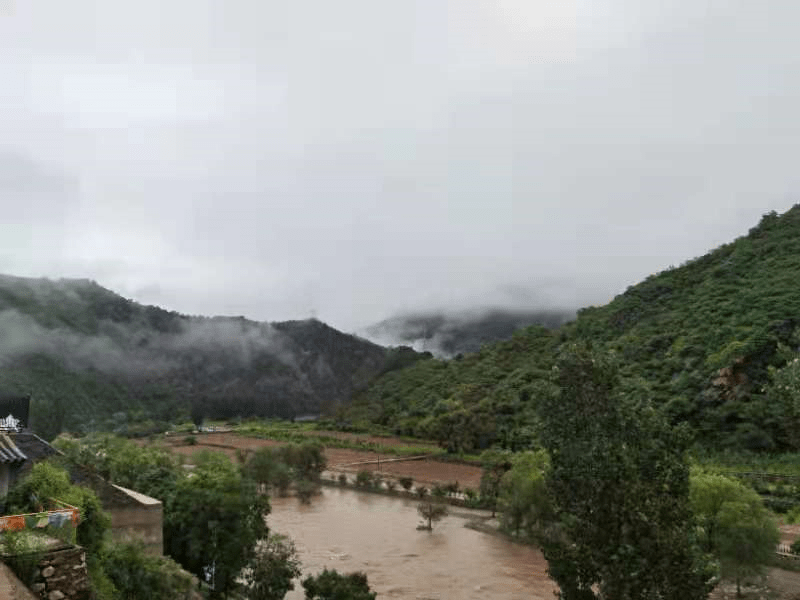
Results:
[732, 381]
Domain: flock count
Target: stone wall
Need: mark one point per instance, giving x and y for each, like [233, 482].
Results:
[62, 575]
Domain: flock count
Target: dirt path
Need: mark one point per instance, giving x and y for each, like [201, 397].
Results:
[12, 588]
[780, 585]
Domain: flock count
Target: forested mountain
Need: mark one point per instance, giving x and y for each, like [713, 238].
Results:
[91, 358]
[449, 333]
[715, 341]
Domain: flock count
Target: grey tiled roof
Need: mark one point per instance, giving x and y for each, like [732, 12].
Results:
[9, 453]
[32, 446]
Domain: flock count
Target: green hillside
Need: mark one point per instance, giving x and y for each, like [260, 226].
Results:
[91, 359]
[707, 338]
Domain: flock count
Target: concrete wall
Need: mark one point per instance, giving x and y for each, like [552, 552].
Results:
[134, 516]
[144, 522]
[5, 480]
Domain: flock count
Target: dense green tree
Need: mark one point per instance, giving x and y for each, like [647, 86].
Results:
[307, 460]
[271, 570]
[746, 540]
[431, 511]
[278, 467]
[619, 484]
[736, 526]
[523, 501]
[266, 468]
[198, 411]
[138, 575]
[214, 520]
[464, 422]
[495, 464]
[784, 391]
[332, 585]
[708, 492]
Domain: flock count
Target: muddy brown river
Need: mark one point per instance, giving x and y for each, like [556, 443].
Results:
[351, 531]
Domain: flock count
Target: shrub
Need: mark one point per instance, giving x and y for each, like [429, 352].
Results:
[305, 489]
[795, 547]
[431, 512]
[102, 586]
[406, 483]
[793, 516]
[342, 479]
[139, 575]
[421, 491]
[190, 440]
[364, 478]
[331, 585]
[390, 484]
[24, 549]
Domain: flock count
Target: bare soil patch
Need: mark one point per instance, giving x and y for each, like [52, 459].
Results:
[426, 471]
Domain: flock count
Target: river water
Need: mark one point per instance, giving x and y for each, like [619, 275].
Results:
[356, 531]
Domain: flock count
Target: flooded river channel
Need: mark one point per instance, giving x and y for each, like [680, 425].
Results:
[355, 531]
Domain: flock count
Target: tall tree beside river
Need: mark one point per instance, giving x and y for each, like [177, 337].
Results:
[214, 521]
[735, 525]
[619, 484]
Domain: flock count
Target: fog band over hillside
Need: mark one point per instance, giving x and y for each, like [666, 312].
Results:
[446, 333]
[123, 349]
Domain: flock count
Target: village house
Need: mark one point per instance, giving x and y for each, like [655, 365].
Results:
[133, 515]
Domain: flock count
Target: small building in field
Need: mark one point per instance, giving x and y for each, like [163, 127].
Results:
[134, 516]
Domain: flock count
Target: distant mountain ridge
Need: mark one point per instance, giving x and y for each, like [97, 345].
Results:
[449, 333]
[91, 358]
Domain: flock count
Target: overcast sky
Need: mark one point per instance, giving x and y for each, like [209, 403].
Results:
[361, 158]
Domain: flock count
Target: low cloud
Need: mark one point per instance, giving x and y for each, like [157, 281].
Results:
[135, 351]
[447, 333]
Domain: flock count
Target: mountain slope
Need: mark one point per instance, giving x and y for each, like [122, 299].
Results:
[702, 337]
[87, 355]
